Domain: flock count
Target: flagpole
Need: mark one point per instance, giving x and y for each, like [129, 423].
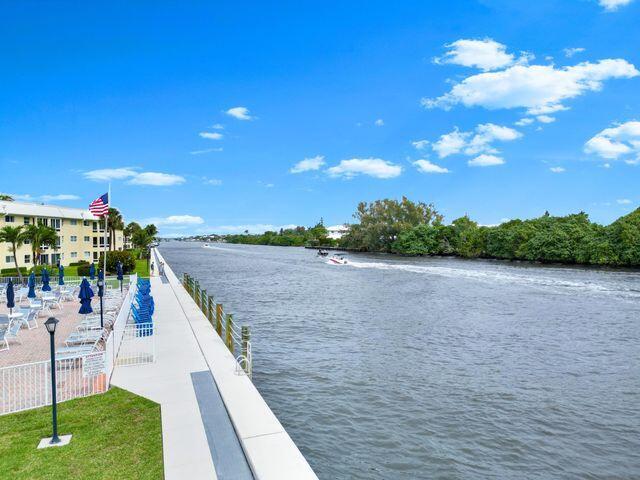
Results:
[106, 229]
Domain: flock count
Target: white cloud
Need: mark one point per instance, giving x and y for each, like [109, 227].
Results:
[545, 119]
[472, 143]
[241, 113]
[540, 89]
[206, 150]
[623, 201]
[43, 198]
[485, 160]
[420, 144]
[523, 122]
[484, 54]
[212, 181]
[108, 174]
[379, 122]
[211, 135]
[570, 52]
[450, 143]
[60, 197]
[373, 167]
[613, 5]
[217, 126]
[313, 163]
[174, 221]
[425, 166]
[557, 169]
[619, 142]
[157, 179]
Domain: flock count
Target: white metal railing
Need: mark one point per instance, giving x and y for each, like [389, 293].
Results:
[29, 386]
[138, 344]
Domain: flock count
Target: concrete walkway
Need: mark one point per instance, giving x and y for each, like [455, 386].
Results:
[168, 382]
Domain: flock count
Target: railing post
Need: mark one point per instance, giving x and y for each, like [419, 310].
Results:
[219, 319]
[185, 281]
[229, 333]
[203, 302]
[196, 296]
[210, 309]
[246, 336]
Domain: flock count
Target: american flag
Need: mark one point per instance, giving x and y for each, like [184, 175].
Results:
[100, 206]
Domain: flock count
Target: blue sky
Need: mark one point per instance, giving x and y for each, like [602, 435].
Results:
[201, 112]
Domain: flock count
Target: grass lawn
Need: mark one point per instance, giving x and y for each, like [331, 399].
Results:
[142, 269]
[115, 435]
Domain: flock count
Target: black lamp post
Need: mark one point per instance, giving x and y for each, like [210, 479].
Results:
[51, 324]
[100, 294]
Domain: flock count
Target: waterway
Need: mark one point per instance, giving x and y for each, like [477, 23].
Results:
[430, 368]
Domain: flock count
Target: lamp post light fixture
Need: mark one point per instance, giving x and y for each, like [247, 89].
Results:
[55, 440]
[51, 324]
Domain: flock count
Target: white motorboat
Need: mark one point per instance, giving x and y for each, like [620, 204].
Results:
[337, 259]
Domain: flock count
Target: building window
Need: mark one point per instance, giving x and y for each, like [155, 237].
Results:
[27, 259]
[95, 241]
[26, 241]
[74, 254]
[44, 258]
[73, 221]
[9, 219]
[74, 238]
[85, 223]
[95, 256]
[87, 238]
[43, 221]
[8, 259]
[87, 254]
[56, 223]
[95, 226]
[27, 220]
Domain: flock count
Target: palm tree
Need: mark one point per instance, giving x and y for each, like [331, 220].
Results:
[115, 223]
[5, 197]
[151, 230]
[130, 229]
[13, 235]
[141, 240]
[40, 236]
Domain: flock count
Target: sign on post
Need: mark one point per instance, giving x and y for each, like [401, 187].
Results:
[93, 364]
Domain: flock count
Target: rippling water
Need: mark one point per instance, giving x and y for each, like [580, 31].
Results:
[397, 368]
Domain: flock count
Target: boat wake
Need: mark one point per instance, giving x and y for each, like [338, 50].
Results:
[492, 276]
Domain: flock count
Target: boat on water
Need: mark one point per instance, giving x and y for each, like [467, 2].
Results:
[337, 259]
[206, 245]
[322, 253]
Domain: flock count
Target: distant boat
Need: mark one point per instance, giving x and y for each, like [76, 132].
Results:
[337, 259]
[206, 245]
[322, 253]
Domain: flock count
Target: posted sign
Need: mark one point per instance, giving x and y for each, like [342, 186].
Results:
[93, 364]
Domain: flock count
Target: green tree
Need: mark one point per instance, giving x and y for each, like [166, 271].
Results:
[141, 240]
[115, 223]
[624, 236]
[151, 230]
[380, 222]
[40, 236]
[5, 197]
[13, 236]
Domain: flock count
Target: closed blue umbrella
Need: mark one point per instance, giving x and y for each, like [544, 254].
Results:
[92, 271]
[32, 285]
[60, 275]
[85, 297]
[10, 297]
[45, 280]
[120, 274]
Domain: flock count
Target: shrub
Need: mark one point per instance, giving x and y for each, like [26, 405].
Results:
[13, 272]
[77, 264]
[124, 256]
[83, 270]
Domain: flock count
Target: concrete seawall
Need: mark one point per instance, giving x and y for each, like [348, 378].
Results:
[269, 451]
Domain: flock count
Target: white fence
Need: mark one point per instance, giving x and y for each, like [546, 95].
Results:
[27, 386]
[138, 344]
